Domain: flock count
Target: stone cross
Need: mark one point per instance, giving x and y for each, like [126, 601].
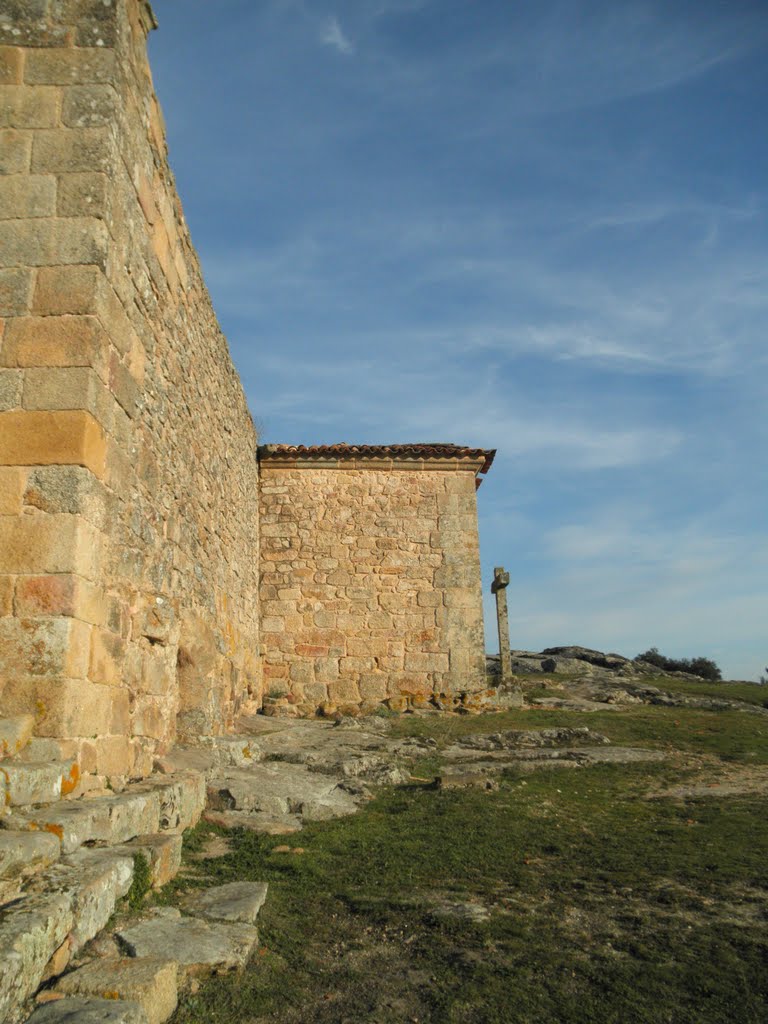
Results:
[499, 588]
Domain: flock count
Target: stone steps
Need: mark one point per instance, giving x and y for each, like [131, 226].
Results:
[165, 949]
[23, 854]
[64, 866]
[30, 782]
[169, 803]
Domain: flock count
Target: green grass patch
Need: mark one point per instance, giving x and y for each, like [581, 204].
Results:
[605, 907]
[750, 693]
[730, 735]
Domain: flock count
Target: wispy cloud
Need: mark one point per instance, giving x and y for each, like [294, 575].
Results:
[334, 36]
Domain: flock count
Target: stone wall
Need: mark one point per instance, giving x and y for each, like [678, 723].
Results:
[128, 533]
[370, 583]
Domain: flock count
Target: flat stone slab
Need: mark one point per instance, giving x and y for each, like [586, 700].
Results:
[23, 854]
[265, 824]
[197, 944]
[92, 881]
[31, 930]
[279, 788]
[89, 1011]
[30, 782]
[236, 901]
[166, 803]
[150, 983]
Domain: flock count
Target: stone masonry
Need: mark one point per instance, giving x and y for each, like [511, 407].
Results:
[128, 533]
[370, 582]
[133, 585]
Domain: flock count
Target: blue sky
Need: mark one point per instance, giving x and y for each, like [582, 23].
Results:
[537, 227]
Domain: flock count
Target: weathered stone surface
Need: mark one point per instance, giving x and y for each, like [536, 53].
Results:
[370, 581]
[513, 739]
[236, 901]
[150, 983]
[197, 945]
[125, 373]
[284, 789]
[163, 854]
[92, 881]
[110, 819]
[24, 195]
[30, 783]
[182, 799]
[231, 751]
[15, 733]
[23, 854]
[89, 1011]
[30, 933]
[264, 824]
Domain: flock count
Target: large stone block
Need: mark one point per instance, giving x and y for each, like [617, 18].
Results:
[23, 106]
[49, 544]
[151, 983]
[15, 734]
[52, 438]
[82, 195]
[70, 66]
[55, 341]
[15, 285]
[49, 647]
[11, 388]
[30, 933]
[71, 289]
[12, 484]
[62, 594]
[69, 489]
[15, 150]
[71, 151]
[89, 1010]
[11, 65]
[94, 880]
[73, 707]
[40, 242]
[89, 106]
[27, 195]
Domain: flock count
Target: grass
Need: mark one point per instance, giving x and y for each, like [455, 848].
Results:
[604, 906]
[729, 735]
[541, 685]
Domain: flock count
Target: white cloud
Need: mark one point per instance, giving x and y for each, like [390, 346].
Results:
[334, 36]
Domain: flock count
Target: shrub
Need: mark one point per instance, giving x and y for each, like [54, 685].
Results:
[705, 668]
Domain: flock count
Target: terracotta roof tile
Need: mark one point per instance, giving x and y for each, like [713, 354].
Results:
[406, 451]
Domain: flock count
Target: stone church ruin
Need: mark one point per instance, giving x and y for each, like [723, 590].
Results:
[160, 574]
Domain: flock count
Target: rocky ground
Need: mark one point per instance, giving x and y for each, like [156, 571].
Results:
[279, 794]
